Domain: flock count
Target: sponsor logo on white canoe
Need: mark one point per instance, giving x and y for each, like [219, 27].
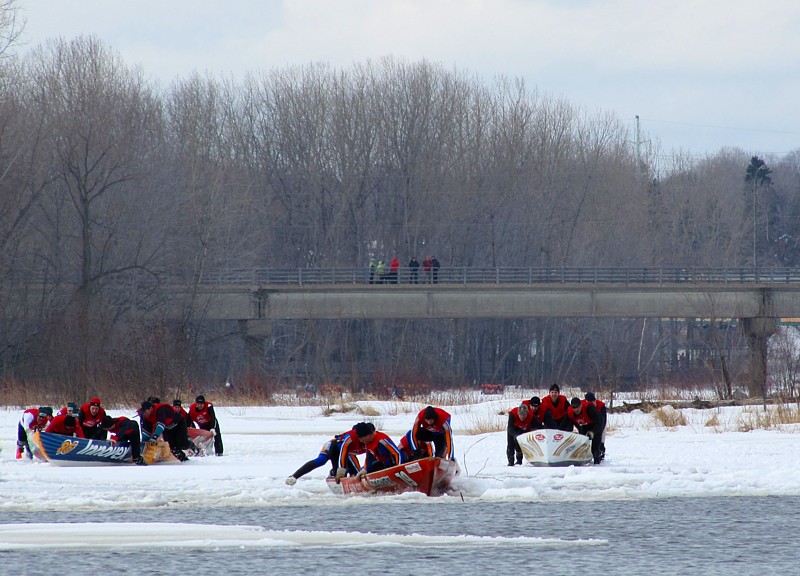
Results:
[105, 451]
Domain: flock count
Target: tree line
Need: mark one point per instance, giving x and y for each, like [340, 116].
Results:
[114, 189]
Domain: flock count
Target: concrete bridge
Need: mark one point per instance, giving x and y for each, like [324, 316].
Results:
[268, 295]
[758, 299]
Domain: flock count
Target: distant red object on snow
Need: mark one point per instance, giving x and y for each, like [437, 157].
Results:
[492, 388]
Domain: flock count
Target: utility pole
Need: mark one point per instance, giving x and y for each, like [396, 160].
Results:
[638, 145]
[755, 188]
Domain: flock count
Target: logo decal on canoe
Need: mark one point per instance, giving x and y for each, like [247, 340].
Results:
[558, 437]
[67, 446]
[540, 437]
[382, 482]
[102, 450]
[406, 478]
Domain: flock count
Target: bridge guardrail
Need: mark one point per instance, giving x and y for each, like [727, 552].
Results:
[531, 275]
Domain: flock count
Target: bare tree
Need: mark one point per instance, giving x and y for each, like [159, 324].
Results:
[100, 121]
[12, 24]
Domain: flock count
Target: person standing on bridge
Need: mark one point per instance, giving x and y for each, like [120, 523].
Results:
[434, 270]
[372, 266]
[394, 270]
[379, 272]
[413, 267]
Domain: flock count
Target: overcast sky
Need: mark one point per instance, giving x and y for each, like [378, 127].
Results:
[700, 74]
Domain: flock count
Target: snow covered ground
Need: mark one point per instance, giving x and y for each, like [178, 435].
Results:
[708, 456]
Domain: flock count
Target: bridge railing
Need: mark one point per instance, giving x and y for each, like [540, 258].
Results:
[505, 275]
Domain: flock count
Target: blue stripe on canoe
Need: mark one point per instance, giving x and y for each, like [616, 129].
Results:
[69, 449]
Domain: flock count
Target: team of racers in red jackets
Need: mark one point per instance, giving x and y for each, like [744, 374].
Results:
[430, 435]
[588, 416]
[158, 420]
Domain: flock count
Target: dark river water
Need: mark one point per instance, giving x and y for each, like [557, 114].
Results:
[687, 536]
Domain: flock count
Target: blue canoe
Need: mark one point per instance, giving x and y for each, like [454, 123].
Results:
[70, 451]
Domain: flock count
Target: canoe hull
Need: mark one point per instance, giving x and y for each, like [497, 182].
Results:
[70, 451]
[203, 439]
[431, 476]
[555, 448]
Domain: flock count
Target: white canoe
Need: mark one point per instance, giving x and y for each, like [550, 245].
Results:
[555, 448]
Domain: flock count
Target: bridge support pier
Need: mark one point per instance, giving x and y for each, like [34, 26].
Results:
[758, 330]
[255, 334]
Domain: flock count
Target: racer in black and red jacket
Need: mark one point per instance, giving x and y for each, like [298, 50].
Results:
[123, 429]
[587, 420]
[89, 416]
[601, 409]
[66, 425]
[202, 413]
[164, 420]
[520, 420]
[32, 419]
[177, 405]
[553, 411]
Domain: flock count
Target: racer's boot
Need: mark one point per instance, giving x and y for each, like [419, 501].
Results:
[19, 452]
[139, 461]
[180, 455]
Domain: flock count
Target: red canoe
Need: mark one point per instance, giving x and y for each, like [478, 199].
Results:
[431, 476]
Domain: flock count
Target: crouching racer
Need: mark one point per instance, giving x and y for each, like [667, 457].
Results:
[520, 420]
[332, 451]
[164, 420]
[425, 450]
[381, 451]
[433, 425]
[66, 425]
[33, 419]
[585, 417]
[125, 430]
[601, 409]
